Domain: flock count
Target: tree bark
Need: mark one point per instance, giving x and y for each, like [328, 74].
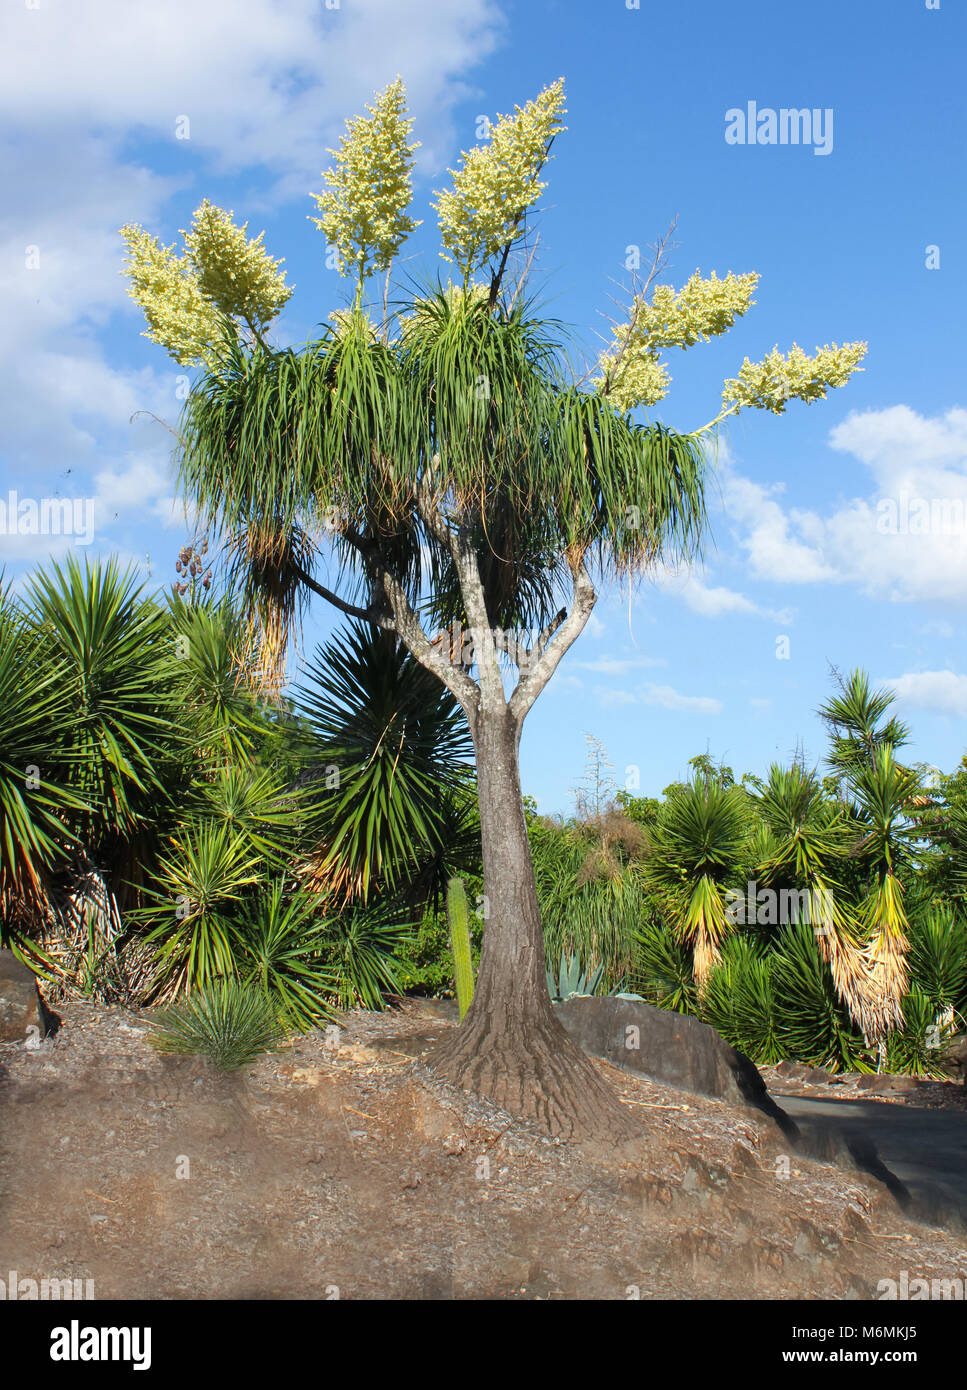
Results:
[511, 1047]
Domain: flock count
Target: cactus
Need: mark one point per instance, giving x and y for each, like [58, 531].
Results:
[459, 915]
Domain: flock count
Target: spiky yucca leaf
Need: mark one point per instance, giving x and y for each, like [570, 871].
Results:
[280, 944]
[391, 744]
[698, 844]
[37, 804]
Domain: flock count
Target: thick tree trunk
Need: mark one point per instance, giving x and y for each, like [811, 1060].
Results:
[511, 1048]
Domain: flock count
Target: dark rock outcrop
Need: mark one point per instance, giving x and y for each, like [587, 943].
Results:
[21, 1008]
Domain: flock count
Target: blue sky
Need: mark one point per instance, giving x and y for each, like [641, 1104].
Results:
[91, 92]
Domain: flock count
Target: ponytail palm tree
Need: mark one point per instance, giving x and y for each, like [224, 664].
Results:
[449, 470]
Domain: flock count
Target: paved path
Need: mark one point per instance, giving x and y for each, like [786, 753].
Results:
[926, 1149]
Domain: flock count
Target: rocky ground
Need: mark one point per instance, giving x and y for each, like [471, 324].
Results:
[796, 1079]
[340, 1167]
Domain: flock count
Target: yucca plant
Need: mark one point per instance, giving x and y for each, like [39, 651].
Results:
[200, 884]
[699, 847]
[854, 721]
[919, 1044]
[812, 1022]
[230, 1023]
[108, 644]
[739, 1001]
[806, 847]
[38, 805]
[281, 945]
[361, 943]
[883, 791]
[938, 956]
[391, 748]
[662, 968]
[215, 675]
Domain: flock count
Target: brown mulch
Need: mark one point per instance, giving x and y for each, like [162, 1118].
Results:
[341, 1167]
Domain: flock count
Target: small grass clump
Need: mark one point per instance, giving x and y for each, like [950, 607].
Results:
[231, 1024]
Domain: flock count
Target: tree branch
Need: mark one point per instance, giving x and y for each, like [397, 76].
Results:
[566, 634]
[491, 686]
[369, 615]
[464, 690]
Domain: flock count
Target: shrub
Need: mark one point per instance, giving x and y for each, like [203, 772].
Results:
[230, 1023]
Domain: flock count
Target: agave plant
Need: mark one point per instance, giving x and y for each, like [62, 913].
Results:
[572, 978]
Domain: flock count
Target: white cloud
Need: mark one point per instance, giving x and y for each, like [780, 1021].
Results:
[664, 696]
[266, 88]
[269, 83]
[942, 692]
[669, 698]
[711, 601]
[607, 696]
[617, 666]
[908, 457]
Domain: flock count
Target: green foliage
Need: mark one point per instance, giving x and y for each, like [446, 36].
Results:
[662, 968]
[281, 945]
[919, 1044]
[572, 978]
[938, 956]
[202, 880]
[105, 642]
[591, 897]
[740, 1003]
[387, 806]
[459, 915]
[813, 1025]
[36, 800]
[699, 850]
[231, 1024]
[361, 944]
[853, 720]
